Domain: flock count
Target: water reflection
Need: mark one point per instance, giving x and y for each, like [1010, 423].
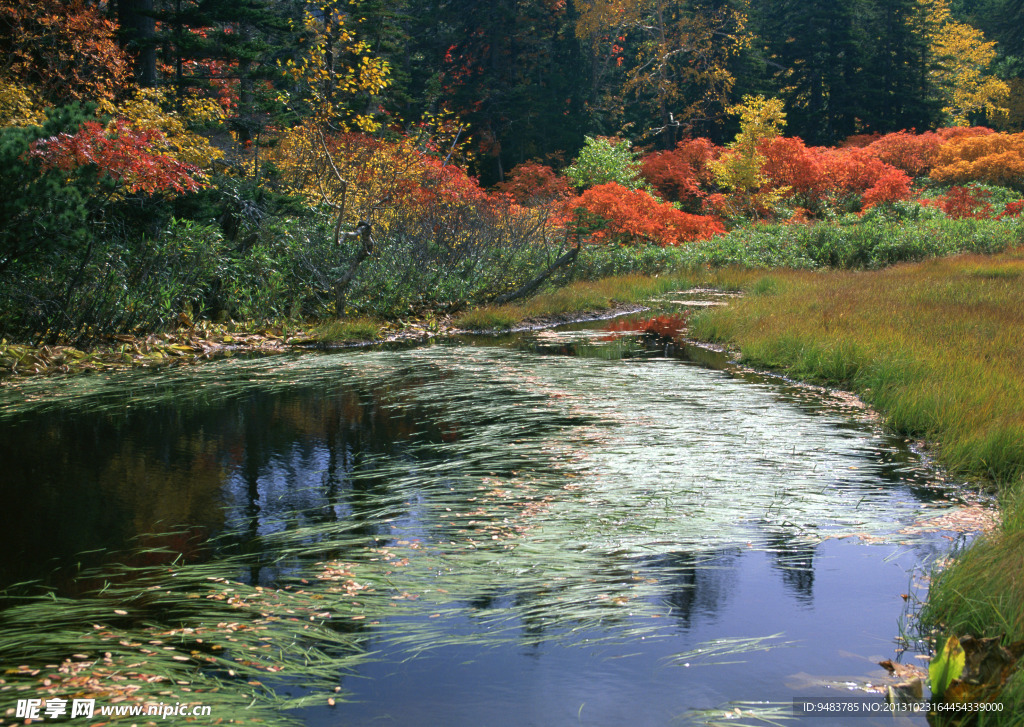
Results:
[493, 497]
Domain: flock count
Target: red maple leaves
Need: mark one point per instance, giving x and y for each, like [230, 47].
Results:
[122, 153]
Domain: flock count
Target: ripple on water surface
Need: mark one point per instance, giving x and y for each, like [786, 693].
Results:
[550, 539]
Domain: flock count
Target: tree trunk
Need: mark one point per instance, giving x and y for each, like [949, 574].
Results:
[528, 288]
[138, 25]
[362, 232]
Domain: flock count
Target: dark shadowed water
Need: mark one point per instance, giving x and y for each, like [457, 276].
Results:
[561, 529]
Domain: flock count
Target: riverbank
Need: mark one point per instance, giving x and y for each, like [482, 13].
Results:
[938, 349]
[192, 343]
[934, 346]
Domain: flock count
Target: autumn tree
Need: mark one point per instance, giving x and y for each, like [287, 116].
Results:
[674, 57]
[66, 51]
[739, 168]
[961, 58]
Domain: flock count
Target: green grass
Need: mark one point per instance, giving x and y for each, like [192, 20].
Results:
[982, 594]
[599, 295]
[936, 347]
[856, 243]
[346, 330]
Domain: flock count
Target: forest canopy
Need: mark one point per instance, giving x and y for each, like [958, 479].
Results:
[272, 158]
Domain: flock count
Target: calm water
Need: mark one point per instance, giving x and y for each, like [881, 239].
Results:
[562, 529]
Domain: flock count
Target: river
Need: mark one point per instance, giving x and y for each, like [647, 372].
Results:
[551, 528]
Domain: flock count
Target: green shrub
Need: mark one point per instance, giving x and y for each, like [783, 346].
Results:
[604, 160]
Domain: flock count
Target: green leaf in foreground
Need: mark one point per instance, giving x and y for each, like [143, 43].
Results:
[947, 665]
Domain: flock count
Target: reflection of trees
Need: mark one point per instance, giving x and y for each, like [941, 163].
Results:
[95, 483]
[794, 559]
[97, 480]
[698, 583]
[691, 584]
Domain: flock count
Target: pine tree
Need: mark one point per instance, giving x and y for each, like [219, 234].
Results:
[896, 70]
[816, 48]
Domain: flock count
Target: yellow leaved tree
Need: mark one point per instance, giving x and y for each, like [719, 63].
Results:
[335, 69]
[329, 159]
[739, 168]
[961, 56]
[20, 104]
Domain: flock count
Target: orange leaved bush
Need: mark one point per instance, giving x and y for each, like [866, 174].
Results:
[993, 159]
[913, 153]
[611, 213]
[818, 176]
[788, 162]
[892, 185]
[961, 132]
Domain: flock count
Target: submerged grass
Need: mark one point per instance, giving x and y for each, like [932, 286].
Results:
[553, 513]
[938, 348]
[744, 714]
[179, 634]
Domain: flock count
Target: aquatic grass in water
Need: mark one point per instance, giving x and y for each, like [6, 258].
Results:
[937, 347]
[519, 499]
[744, 714]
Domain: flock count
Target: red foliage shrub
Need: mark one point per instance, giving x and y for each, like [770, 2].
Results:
[788, 162]
[610, 212]
[1012, 209]
[914, 153]
[851, 170]
[961, 202]
[818, 174]
[441, 185]
[677, 175]
[127, 155]
[531, 184]
[962, 132]
[892, 186]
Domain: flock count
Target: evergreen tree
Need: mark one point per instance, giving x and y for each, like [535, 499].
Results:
[509, 69]
[229, 48]
[896, 70]
[816, 49]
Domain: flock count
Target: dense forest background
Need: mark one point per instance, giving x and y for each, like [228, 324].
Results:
[529, 78]
[231, 157]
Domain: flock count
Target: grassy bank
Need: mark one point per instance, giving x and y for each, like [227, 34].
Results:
[599, 295]
[938, 348]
